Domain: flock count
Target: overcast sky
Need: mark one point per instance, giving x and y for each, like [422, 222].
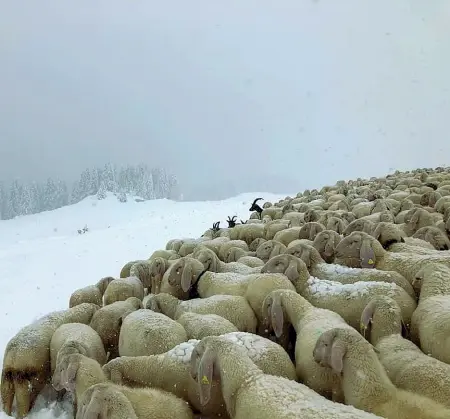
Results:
[236, 95]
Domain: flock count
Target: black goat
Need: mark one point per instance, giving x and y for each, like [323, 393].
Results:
[256, 207]
[231, 221]
[216, 226]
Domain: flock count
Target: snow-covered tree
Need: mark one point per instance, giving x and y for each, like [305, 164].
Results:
[101, 193]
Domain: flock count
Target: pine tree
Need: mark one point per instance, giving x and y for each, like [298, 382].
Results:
[101, 193]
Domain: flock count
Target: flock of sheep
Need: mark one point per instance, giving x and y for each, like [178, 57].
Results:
[333, 304]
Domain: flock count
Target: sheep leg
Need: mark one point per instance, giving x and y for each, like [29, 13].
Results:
[23, 397]
[7, 392]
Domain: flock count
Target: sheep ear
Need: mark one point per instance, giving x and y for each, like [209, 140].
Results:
[186, 277]
[277, 317]
[329, 247]
[414, 220]
[205, 373]
[366, 317]
[291, 271]
[367, 255]
[70, 374]
[337, 357]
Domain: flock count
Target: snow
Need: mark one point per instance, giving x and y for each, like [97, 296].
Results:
[43, 259]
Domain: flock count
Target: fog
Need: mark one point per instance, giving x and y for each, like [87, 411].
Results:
[232, 96]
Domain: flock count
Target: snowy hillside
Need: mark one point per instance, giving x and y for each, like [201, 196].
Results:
[43, 259]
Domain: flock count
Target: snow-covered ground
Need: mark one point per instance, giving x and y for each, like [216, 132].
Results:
[43, 259]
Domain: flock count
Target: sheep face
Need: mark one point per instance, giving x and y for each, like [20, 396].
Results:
[325, 243]
[65, 373]
[358, 250]
[157, 269]
[272, 313]
[310, 230]
[294, 268]
[185, 272]
[434, 236]
[387, 234]
[365, 226]
[329, 351]
[269, 249]
[306, 253]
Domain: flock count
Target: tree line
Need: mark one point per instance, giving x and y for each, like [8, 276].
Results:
[23, 198]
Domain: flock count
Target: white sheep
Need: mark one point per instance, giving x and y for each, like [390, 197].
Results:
[26, 361]
[198, 326]
[284, 307]
[325, 243]
[211, 262]
[90, 294]
[123, 288]
[430, 323]
[348, 300]
[76, 338]
[406, 365]
[110, 401]
[360, 250]
[144, 332]
[365, 382]
[249, 393]
[234, 308]
[108, 320]
[75, 373]
[345, 275]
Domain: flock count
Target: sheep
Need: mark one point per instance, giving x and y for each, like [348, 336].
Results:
[365, 382]
[325, 243]
[144, 332]
[75, 373]
[287, 235]
[285, 306]
[224, 248]
[359, 225]
[336, 224]
[108, 320]
[168, 371]
[433, 235]
[198, 326]
[345, 275]
[418, 218]
[184, 270]
[234, 308]
[392, 238]
[430, 323]
[125, 271]
[360, 250]
[273, 227]
[123, 288]
[251, 261]
[268, 249]
[158, 266]
[255, 243]
[348, 300]
[249, 393]
[26, 361]
[76, 338]
[405, 364]
[212, 263]
[90, 294]
[109, 400]
[165, 254]
[247, 232]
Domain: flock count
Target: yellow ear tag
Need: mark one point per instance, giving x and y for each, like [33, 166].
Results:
[205, 380]
[370, 262]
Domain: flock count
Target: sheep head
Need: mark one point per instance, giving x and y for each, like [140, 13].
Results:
[358, 250]
[310, 230]
[365, 226]
[290, 266]
[208, 258]
[433, 235]
[204, 367]
[268, 249]
[64, 376]
[388, 234]
[256, 243]
[330, 350]
[325, 243]
[385, 313]
[157, 268]
[185, 272]
[416, 218]
[273, 312]
[234, 253]
[103, 283]
[306, 253]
